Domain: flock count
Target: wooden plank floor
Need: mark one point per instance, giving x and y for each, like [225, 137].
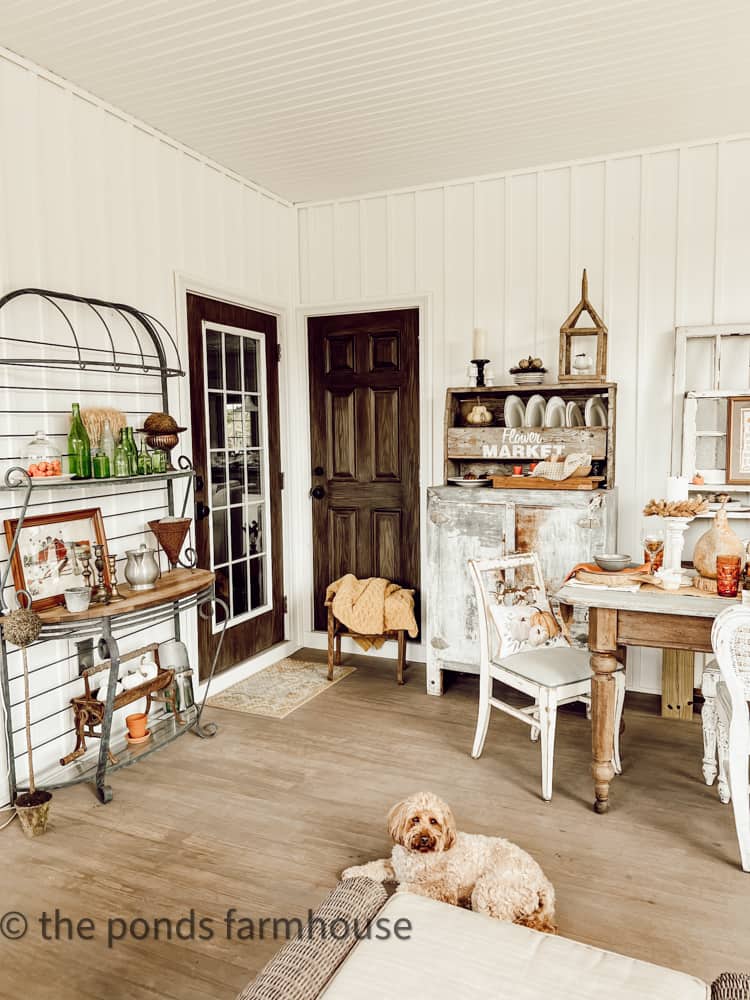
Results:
[264, 817]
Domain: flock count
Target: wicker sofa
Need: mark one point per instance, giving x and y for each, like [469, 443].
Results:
[448, 952]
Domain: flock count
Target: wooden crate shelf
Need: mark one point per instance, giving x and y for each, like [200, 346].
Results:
[490, 449]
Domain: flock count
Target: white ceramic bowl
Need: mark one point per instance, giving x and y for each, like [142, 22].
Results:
[77, 599]
[611, 561]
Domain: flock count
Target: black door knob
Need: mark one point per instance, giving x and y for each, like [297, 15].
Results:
[319, 470]
[201, 511]
[317, 492]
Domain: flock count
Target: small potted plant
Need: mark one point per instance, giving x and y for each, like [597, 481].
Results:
[22, 627]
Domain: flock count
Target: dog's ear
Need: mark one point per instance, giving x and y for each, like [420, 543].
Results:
[396, 821]
[449, 825]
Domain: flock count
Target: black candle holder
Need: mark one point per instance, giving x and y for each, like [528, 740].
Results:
[480, 363]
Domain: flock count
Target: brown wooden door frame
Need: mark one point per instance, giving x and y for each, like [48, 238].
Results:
[413, 314]
[270, 626]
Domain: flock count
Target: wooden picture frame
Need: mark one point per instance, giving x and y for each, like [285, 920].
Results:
[45, 562]
[738, 440]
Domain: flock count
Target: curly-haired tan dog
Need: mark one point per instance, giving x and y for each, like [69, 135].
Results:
[485, 874]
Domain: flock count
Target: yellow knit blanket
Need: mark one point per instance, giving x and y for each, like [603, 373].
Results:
[371, 607]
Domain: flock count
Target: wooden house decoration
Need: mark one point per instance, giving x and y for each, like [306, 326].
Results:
[574, 365]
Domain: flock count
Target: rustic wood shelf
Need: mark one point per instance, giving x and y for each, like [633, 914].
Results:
[538, 483]
[556, 388]
[493, 449]
[474, 442]
[171, 586]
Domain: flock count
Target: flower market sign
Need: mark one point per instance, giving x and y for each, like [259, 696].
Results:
[516, 443]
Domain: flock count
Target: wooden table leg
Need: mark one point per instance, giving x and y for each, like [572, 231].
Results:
[604, 663]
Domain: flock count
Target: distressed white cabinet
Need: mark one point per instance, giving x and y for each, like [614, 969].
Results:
[563, 527]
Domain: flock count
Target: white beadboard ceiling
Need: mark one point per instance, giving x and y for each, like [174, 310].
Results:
[322, 99]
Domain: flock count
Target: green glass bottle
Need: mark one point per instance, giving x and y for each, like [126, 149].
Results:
[144, 459]
[132, 451]
[79, 446]
[122, 458]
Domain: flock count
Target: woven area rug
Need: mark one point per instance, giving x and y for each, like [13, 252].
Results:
[279, 689]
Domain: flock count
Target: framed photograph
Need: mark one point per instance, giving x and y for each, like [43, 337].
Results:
[47, 560]
[738, 440]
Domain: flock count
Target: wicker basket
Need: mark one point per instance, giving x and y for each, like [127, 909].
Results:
[171, 536]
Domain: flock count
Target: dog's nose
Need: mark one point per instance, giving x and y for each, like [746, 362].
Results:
[424, 840]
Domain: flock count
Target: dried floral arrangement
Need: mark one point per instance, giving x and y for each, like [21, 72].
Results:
[676, 508]
[94, 418]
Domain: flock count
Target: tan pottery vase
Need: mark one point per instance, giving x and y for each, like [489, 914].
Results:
[719, 540]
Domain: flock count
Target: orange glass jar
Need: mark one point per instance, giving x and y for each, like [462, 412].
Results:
[728, 569]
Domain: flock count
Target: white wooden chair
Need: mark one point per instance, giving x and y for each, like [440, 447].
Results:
[552, 676]
[730, 639]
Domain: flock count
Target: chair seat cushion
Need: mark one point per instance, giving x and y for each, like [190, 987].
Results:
[549, 667]
[455, 954]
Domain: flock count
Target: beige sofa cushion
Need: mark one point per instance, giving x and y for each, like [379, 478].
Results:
[459, 955]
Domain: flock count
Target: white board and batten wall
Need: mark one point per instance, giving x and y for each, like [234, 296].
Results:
[665, 235]
[95, 203]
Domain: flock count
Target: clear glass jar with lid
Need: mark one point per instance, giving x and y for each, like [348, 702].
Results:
[40, 457]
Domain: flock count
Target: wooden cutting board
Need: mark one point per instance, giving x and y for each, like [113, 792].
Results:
[539, 483]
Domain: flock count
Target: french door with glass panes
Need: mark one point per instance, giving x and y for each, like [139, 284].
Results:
[235, 428]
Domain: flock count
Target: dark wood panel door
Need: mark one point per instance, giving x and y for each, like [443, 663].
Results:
[364, 414]
[234, 394]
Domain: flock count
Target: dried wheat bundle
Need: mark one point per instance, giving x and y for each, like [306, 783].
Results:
[93, 420]
[676, 508]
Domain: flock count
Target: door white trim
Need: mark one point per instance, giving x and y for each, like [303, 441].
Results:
[184, 283]
[302, 512]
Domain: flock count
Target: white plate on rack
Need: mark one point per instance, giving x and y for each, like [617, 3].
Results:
[573, 415]
[596, 412]
[48, 480]
[554, 413]
[535, 411]
[513, 411]
[471, 483]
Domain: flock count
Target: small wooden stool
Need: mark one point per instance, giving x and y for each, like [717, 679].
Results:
[336, 630]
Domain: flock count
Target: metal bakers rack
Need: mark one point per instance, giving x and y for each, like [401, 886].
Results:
[149, 352]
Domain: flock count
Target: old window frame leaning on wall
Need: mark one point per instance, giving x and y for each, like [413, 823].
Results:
[707, 359]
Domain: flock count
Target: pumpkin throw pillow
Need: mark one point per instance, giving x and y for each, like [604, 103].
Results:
[524, 620]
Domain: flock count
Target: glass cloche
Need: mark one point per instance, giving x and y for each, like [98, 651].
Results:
[41, 458]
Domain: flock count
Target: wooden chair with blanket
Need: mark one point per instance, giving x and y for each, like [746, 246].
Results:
[349, 594]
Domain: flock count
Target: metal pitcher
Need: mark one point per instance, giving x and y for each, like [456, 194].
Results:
[141, 568]
[184, 684]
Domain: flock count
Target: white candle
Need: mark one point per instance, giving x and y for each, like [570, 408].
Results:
[677, 489]
[479, 344]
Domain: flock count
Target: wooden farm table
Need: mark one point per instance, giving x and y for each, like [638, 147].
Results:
[618, 619]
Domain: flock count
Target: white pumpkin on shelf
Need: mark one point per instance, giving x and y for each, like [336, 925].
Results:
[479, 416]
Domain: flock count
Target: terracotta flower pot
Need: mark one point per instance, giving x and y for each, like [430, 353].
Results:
[136, 724]
[33, 812]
